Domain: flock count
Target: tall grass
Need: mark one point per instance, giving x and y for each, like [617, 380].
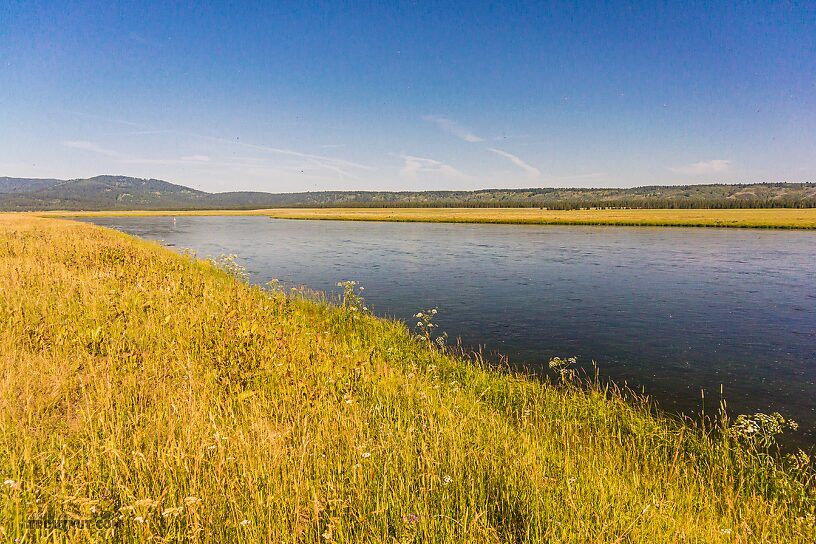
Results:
[151, 397]
[778, 218]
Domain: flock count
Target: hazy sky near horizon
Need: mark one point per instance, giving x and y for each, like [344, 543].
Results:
[292, 96]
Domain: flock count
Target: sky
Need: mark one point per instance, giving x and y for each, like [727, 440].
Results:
[306, 96]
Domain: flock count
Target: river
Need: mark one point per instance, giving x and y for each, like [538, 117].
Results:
[674, 311]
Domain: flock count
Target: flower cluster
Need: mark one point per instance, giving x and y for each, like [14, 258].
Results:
[563, 367]
[799, 460]
[425, 326]
[352, 299]
[760, 429]
[229, 264]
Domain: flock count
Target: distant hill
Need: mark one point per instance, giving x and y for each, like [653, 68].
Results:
[126, 193]
[97, 193]
[25, 185]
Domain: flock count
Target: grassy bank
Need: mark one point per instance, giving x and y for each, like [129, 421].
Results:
[156, 393]
[783, 218]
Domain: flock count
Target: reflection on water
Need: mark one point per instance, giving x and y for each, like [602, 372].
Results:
[673, 310]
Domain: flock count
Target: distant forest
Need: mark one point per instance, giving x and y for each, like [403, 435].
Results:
[126, 193]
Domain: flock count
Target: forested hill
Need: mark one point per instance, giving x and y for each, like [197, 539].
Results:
[126, 193]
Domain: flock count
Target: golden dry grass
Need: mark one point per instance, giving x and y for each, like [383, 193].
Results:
[787, 218]
[152, 397]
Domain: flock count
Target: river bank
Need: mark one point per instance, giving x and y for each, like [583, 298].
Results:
[780, 218]
[135, 382]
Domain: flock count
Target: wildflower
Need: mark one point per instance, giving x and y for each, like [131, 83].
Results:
[410, 518]
[447, 479]
[725, 531]
[139, 519]
[174, 511]
[244, 523]
[760, 429]
[365, 455]
[9, 483]
[799, 459]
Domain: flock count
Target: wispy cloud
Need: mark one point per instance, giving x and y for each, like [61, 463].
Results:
[339, 166]
[420, 165]
[344, 168]
[453, 127]
[716, 166]
[106, 119]
[332, 164]
[92, 147]
[531, 171]
[196, 158]
[145, 132]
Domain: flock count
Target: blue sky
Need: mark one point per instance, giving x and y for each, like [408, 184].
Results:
[278, 96]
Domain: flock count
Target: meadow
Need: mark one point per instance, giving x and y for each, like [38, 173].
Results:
[782, 218]
[152, 396]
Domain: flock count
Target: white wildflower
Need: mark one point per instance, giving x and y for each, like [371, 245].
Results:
[174, 511]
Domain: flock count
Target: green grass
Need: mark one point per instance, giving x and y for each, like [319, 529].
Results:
[779, 218]
[155, 391]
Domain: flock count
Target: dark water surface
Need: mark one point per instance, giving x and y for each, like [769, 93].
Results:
[672, 310]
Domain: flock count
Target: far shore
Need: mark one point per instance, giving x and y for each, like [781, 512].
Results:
[774, 218]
